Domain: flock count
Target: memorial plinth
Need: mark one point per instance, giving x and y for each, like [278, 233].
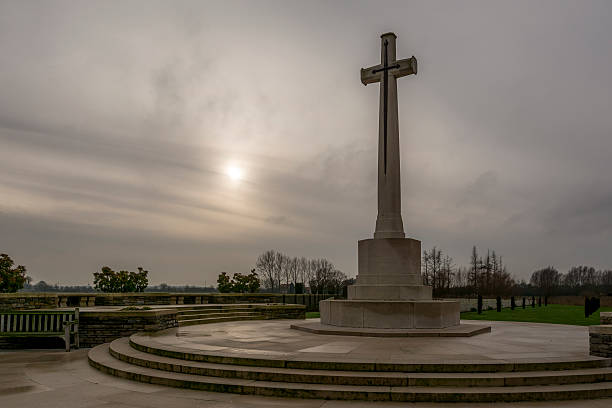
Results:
[389, 291]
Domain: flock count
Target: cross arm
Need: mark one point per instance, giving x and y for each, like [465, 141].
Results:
[407, 66]
[398, 69]
[370, 75]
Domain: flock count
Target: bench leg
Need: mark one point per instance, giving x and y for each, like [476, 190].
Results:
[67, 336]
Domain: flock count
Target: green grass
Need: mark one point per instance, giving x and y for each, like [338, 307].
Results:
[313, 315]
[558, 314]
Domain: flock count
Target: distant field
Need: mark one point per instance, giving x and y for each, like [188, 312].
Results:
[558, 314]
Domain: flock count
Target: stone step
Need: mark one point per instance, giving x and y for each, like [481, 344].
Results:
[208, 320]
[122, 350]
[142, 342]
[100, 358]
[214, 313]
[214, 307]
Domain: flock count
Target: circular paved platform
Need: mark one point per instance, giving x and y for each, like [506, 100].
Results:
[508, 342]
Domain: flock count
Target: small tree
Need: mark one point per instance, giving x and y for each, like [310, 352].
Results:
[499, 304]
[239, 283]
[11, 279]
[224, 284]
[110, 281]
[252, 282]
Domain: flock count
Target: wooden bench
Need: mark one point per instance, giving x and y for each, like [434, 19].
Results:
[42, 323]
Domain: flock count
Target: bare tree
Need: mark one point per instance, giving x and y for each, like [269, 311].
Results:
[280, 268]
[292, 268]
[266, 267]
[546, 279]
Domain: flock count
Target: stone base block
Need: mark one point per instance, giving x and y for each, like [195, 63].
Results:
[390, 314]
[389, 292]
[389, 261]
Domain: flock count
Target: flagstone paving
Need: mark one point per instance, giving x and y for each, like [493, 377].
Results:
[54, 378]
[507, 342]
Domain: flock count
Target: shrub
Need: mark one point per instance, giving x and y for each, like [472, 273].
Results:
[120, 282]
[239, 283]
[11, 279]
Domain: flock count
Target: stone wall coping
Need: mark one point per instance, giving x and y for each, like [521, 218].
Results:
[29, 294]
[601, 329]
[605, 314]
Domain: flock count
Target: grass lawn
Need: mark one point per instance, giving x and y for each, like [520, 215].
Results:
[558, 314]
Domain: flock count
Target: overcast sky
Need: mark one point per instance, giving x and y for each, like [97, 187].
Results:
[119, 121]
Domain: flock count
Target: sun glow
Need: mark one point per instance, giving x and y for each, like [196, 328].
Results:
[234, 173]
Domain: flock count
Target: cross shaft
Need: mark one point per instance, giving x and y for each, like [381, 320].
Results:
[389, 220]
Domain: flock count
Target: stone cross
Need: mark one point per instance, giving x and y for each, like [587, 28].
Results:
[389, 220]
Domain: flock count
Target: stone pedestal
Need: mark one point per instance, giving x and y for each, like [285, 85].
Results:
[389, 293]
[390, 314]
[389, 269]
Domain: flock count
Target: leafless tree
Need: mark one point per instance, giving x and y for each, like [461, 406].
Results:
[546, 279]
[266, 268]
[280, 269]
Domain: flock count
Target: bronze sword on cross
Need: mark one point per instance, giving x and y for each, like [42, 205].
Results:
[398, 69]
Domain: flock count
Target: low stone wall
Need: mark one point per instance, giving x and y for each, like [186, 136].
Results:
[281, 311]
[469, 304]
[22, 301]
[605, 317]
[102, 327]
[600, 340]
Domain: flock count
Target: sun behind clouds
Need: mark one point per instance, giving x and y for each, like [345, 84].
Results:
[234, 172]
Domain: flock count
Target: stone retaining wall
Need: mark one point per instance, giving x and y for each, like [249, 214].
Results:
[600, 340]
[605, 317]
[282, 311]
[23, 301]
[102, 327]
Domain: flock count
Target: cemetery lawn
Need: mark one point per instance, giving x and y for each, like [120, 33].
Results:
[558, 314]
[313, 315]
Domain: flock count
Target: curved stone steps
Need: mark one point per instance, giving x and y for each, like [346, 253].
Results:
[100, 358]
[121, 350]
[214, 312]
[226, 317]
[142, 342]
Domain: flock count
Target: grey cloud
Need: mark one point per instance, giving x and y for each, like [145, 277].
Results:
[118, 121]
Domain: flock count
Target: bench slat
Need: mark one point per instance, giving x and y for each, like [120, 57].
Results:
[31, 334]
